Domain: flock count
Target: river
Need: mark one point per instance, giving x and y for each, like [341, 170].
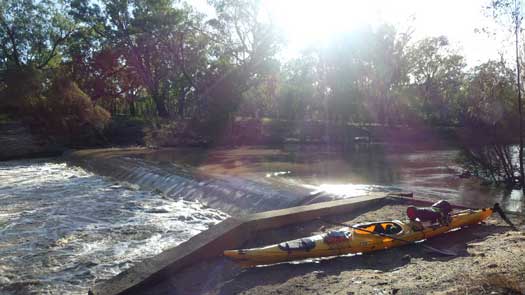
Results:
[428, 173]
[62, 229]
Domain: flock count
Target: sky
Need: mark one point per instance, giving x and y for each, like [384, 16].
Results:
[306, 22]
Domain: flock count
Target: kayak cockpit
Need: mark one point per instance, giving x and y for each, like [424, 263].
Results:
[385, 227]
[304, 244]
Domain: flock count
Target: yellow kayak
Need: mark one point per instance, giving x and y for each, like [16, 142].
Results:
[360, 238]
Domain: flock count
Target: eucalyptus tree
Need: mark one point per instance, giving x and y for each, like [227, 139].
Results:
[32, 34]
[386, 72]
[491, 115]
[361, 74]
[490, 92]
[297, 96]
[243, 53]
[437, 74]
[146, 39]
[509, 13]
[140, 28]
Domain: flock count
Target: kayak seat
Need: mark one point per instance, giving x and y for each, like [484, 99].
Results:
[379, 229]
[393, 229]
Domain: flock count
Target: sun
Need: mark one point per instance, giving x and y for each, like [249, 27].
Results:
[306, 22]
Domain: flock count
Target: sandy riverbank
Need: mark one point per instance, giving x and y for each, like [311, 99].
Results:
[491, 259]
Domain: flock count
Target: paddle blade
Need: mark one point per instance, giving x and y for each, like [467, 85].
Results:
[501, 213]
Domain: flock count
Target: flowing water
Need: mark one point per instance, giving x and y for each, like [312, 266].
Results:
[62, 229]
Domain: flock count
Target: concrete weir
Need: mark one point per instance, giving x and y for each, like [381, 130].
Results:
[231, 195]
[229, 234]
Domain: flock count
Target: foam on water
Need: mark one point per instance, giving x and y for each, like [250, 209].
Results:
[62, 228]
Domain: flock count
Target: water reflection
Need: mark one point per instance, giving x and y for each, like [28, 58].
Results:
[278, 173]
[345, 173]
[514, 201]
[342, 190]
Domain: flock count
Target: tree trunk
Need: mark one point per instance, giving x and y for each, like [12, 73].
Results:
[132, 109]
[160, 104]
[181, 104]
[517, 31]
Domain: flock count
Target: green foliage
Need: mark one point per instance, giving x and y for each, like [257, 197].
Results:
[491, 113]
[31, 32]
[491, 96]
[438, 74]
[68, 109]
[359, 77]
[18, 98]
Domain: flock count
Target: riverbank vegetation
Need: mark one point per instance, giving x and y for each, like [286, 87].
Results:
[72, 69]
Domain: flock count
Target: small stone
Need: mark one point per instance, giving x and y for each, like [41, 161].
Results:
[406, 257]
[395, 290]
[418, 278]
[493, 265]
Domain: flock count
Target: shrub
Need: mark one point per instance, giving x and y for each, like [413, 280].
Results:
[67, 111]
[21, 89]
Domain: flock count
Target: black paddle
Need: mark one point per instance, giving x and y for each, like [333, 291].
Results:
[498, 209]
[444, 252]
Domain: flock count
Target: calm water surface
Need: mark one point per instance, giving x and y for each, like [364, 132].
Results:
[345, 173]
[62, 229]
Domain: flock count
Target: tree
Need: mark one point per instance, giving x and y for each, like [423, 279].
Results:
[437, 73]
[244, 48]
[31, 33]
[504, 9]
[148, 38]
[68, 112]
[31, 36]
[490, 99]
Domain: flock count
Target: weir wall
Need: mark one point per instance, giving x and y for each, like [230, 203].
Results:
[231, 195]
